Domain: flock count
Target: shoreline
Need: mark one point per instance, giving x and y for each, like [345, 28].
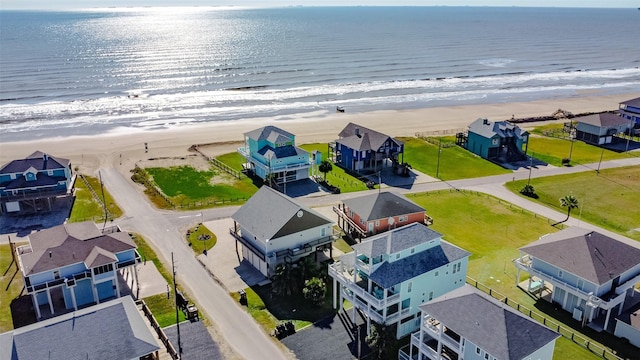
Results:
[123, 150]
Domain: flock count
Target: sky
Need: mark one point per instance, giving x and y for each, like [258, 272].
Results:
[75, 4]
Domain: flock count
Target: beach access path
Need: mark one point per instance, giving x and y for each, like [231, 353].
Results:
[164, 230]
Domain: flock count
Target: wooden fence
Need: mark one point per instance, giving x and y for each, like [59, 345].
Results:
[95, 196]
[219, 164]
[553, 324]
[161, 335]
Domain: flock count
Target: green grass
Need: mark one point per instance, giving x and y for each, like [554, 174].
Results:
[455, 162]
[258, 310]
[161, 306]
[336, 177]
[186, 185]
[85, 207]
[234, 160]
[10, 286]
[195, 241]
[609, 199]
[553, 150]
[343, 244]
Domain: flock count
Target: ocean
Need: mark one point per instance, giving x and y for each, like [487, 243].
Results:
[122, 69]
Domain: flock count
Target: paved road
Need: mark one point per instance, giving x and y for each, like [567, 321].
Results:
[163, 229]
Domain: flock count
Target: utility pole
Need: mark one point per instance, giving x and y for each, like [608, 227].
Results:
[438, 164]
[175, 294]
[530, 167]
[600, 162]
[571, 137]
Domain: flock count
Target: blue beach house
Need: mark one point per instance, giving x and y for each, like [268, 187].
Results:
[388, 276]
[73, 265]
[33, 183]
[271, 150]
[360, 149]
[499, 141]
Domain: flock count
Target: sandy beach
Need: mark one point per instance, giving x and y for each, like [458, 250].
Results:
[123, 150]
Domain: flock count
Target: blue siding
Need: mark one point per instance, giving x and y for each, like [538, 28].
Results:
[105, 290]
[84, 292]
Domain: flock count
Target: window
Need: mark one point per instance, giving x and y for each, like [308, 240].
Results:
[459, 264]
[377, 222]
[56, 274]
[430, 295]
[103, 269]
[50, 172]
[397, 256]
[478, 350]
[402, 218]
[454, 268]
[409, 287]
[350, 213]
[413, 250]
[436, 273]
[580, 284]
[560, 274]
[494, 141]
[486, 356]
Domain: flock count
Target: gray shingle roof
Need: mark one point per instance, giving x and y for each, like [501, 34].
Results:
[602, 120]
[269, 214]
[488, 323]
[503, 129]
[632, 102]
[70, 244]
[36, 160]
[111, 330]
[270, 133]
[281, 152]
[396, 240]
[366, 140]
[392, 273]
[382, 205]
[42, 179]
[588, 254]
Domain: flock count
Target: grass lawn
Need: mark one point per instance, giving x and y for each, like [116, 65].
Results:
[201, 238]
[493, 230]
[161, 306]
[553, 150]
[85, 207]
[186, 186]
[609, 199]
[10, 286]
[234, 160]
[455, 162]
[336, 177]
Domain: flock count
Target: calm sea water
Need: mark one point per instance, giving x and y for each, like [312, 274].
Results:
[88, 72]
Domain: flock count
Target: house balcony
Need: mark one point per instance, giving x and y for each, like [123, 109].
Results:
[30, 194]
[525, 263]
[376, 299]
[430, 326]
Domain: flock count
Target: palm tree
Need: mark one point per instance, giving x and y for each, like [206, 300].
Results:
[325, 167]
[570, 202]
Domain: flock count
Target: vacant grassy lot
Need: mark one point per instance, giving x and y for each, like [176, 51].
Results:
[455, 162]
[609, 199]
[184, 185]
[86, 207]
[337, 177]
[553, 150]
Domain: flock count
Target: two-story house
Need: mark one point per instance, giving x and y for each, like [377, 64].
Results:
[112, 330]
[274, 229]
[497, 140]
[591, 274]
[372, 214]
[361, 149]
[33, 183]
[387, 276]
[468, 324]
[271, 150]
[76, 263]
